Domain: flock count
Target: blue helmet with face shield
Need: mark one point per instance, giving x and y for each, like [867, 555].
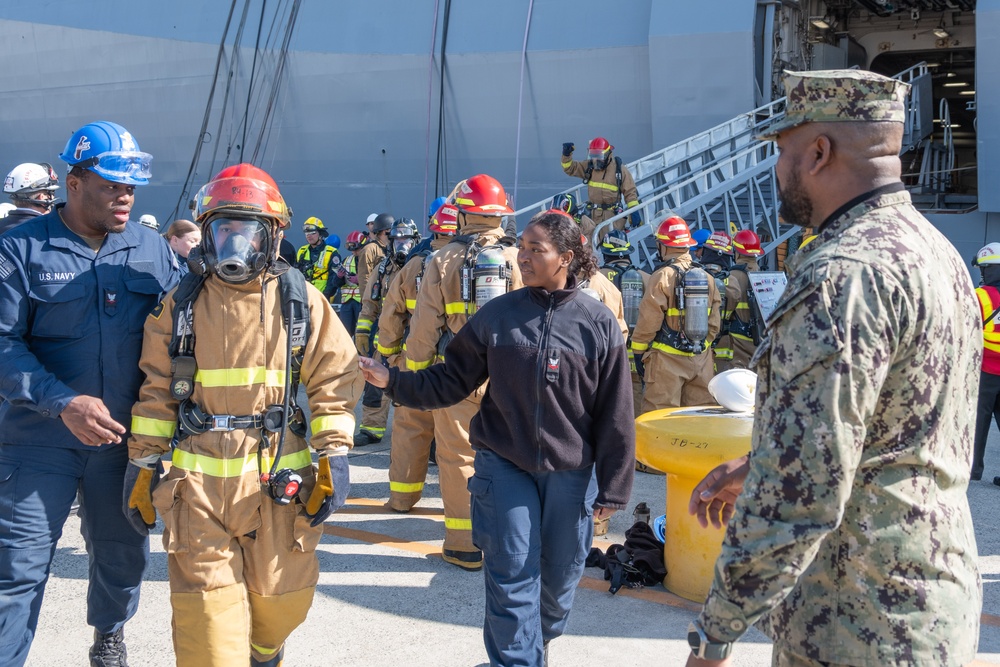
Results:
[110, 151]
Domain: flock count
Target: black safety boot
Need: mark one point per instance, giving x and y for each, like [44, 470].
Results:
[365, 437]
[467, 560]
[274, 661]
[109, 649]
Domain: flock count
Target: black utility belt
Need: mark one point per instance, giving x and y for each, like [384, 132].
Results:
[604, 207]
[193, 420]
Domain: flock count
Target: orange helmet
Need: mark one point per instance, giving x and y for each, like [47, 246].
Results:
[242, 189]
[746, 242]
[720, 242]
[482, 195]
[355, 240]
[673, 232]
[445, 220]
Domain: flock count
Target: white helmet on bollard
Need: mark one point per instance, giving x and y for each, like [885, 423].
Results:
[734, 389]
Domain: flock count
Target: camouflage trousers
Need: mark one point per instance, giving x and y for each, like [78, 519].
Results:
[785, 658]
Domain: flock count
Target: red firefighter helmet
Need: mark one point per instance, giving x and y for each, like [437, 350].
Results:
[673, 232]
[599, 149]
[355, 240]
[720, 242]
[482, 195]
[445, 220]
[746, 242]
[242, 189]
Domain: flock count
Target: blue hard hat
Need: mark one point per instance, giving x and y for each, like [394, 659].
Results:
[435, 205]
[108, 150]
[660, 527]
[700, 236]
[333, 241]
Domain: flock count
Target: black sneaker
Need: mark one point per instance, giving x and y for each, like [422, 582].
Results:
[976, 476]
[109, 649]
[467, 560]
[996, 480]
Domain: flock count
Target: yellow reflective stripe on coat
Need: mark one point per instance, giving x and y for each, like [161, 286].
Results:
[743, 305]
[603, 186]
[459, 308]
[632, 204]
[723, 353]
[457, 524]
[363, 326]
[567, 163]
[417, 365]
[741, 337]
[639, 347]
[405, 487]
[386, 351]
[663, 347]
[411, 305]
[239, 377]
[227, 468]
[343, 423]
[156, 428]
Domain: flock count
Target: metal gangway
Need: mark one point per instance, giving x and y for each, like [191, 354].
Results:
[724, 177]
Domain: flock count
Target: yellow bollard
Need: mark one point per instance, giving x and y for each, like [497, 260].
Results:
[686, 443]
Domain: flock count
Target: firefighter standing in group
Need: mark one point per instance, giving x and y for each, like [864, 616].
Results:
[744, 327]
[567, 204]
[678, 320]
[461, 276]
[412, 429]
[717, 258]
[374, 409]
[242, 504]
[345, 279]
[609, 183]
[402, 238]
[317, 259]
[616, 251]
[32, 189]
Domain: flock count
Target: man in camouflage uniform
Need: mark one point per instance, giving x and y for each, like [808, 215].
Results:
[853, 539]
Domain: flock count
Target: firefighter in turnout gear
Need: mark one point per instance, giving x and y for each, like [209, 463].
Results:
[609, 182]
[243, 504]
[317, 260]
[412, 430]
[744, 329]
[678, 319]
[374, 409]
[568, 205]
[717, 258]
[616, 251]
[345, 279]
[461, 276]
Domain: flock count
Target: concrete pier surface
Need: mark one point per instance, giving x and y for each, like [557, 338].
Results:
[385, 597]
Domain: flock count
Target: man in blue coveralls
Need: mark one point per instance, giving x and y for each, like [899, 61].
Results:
[76, 286]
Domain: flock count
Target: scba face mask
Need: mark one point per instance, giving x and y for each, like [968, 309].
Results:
[238, 248]
[401, 248]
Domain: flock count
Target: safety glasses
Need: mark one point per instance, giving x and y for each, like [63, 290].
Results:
[130, 167]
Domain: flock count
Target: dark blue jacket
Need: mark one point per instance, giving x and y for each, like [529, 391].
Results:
[560, 391]
[71, 323]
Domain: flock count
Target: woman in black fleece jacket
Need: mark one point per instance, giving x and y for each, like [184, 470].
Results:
[554, 436]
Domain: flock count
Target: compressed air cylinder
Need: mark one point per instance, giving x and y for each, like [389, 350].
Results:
[490, 275]
[632, 291]
[696, 304]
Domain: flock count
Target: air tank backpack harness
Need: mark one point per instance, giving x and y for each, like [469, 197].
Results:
[752, 329]
[629, 283]
[486, 274]
[692, 294]
[282, 484]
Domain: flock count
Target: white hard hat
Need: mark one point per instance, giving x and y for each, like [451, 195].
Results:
[734, 389]
[6, 208]
[988, 254]
[149, 220]
[371, 218]
[28, 178]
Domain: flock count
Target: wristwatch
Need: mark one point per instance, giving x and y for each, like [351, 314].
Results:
[704, 648]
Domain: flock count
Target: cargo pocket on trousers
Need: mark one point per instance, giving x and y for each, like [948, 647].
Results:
[483, 513]
[8, 487]
[174, 512]
[305, 538]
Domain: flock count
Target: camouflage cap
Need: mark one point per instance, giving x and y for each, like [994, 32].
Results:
[838, 95]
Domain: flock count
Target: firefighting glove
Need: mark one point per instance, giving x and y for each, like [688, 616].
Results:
[363, 341]
[333, 482]
[568, 149]
[141, 477]
[640, 368]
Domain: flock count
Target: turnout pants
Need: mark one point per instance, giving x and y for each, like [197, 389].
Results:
[455, 467]
[988, 407]
[674, 380]
[242, 568]
[37, 488]
[412, 433]
[374, 407]
[535, 530]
